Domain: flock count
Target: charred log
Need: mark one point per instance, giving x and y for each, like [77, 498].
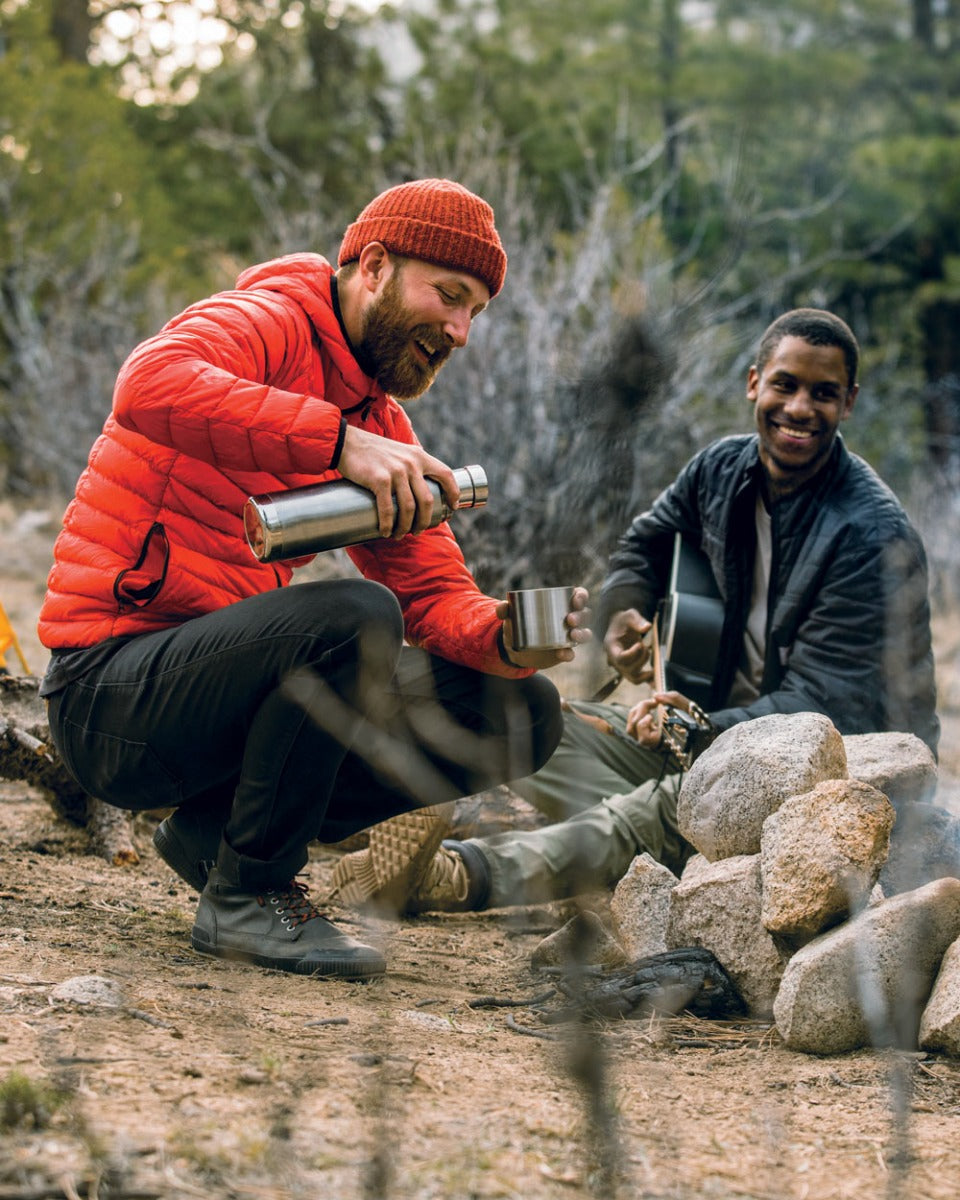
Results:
[689, 979]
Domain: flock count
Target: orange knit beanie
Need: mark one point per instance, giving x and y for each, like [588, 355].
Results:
[436, 220]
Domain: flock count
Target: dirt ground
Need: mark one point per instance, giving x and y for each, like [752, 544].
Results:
[190, 1077]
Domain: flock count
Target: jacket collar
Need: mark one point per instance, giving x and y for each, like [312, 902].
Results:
[809, 492]
[309, 280]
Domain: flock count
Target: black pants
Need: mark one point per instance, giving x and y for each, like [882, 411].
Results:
[295, 715]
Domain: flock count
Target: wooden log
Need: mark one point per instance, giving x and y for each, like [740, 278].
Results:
[27, 753]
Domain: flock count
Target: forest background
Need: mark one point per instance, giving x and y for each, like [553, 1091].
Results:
[668, 177]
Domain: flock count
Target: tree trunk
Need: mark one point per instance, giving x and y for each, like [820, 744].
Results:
[923, 29]
[70, 27]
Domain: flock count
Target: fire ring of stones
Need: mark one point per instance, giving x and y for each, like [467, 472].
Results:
[826, 885]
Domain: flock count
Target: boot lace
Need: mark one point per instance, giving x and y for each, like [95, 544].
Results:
[445, 878]
[292, 904]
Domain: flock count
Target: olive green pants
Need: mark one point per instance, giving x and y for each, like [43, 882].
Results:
[609, 799]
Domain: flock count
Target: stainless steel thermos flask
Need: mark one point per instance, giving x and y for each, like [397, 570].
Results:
[324, 516]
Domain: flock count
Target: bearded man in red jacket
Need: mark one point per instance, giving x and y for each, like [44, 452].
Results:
[184, 674]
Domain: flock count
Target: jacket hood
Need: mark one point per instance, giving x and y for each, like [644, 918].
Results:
[301, 275]
[305, 279]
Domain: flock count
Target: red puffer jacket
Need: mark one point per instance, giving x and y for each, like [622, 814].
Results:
[242, 393]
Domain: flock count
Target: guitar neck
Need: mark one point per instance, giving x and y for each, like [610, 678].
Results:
[656, 656]
[659, 671]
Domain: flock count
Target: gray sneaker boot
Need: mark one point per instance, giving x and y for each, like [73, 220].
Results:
[279, 929]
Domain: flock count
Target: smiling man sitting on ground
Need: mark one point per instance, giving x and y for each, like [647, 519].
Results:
[823, 583]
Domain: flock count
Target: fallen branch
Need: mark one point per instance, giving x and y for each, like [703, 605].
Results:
[149, 1018]
[497, 1002]
[529, 1031]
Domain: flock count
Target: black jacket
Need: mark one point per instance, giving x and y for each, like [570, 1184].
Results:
[848, 618]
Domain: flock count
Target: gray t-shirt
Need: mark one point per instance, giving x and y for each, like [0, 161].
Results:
[746, 683]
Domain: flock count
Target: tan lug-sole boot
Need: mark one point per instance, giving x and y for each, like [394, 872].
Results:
[384, 876]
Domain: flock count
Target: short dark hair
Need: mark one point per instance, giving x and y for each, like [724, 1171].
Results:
[819, 328]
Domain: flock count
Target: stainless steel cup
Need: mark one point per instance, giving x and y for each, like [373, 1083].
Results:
[538, 617]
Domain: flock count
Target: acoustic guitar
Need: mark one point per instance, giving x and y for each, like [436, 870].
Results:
[690, 623]
[688, 626]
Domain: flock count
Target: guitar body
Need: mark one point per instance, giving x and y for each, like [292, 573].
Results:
[690, 624]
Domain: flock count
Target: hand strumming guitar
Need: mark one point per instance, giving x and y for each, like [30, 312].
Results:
[645, 719]
[666, 719]
[627, 647]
